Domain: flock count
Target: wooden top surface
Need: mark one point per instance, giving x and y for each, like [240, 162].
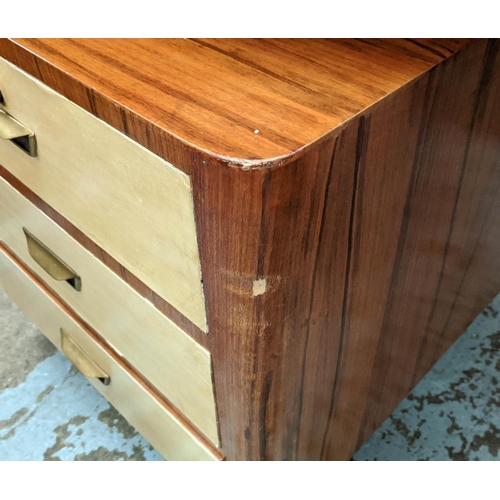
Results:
[215, 94]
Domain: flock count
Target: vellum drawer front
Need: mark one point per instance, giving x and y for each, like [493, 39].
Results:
[170, 359]
[167, 434]
[132, 203]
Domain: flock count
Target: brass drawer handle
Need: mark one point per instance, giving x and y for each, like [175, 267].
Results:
[50, 262]
[17, 133]
[81, 360]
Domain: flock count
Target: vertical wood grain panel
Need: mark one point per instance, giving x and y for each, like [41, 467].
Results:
[257, 363]
[475, 219]
[424, 239]
[229, 203]
[321, 344]
[384, 172]
[294, 233]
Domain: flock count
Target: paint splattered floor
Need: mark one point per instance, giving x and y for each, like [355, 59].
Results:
[48, 411]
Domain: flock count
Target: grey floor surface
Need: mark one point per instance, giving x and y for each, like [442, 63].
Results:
[48, 411]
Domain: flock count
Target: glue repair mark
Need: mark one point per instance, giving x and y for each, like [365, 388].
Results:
[259, 287]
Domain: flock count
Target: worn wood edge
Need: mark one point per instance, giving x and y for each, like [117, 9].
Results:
[230, 162]
[168, 406]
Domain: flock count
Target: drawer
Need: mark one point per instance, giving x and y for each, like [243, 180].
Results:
[170, 359]
[130, 202]
[173, 439]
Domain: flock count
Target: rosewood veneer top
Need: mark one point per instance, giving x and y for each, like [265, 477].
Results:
[214, 95]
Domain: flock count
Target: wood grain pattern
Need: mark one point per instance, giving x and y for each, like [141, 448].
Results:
[458, 169]
[127, 200]
[392, 304]
[153, 420]
[344, 239]
[170, 359]
[337, 275]
[211, 95]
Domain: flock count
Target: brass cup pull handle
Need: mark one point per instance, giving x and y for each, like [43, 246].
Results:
[50, 262]
[82, 361]
[17, 133]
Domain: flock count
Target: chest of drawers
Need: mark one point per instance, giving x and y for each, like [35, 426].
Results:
[254, 249]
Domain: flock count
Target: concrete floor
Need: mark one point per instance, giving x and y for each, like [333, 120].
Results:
[48, 411]
[454, 412]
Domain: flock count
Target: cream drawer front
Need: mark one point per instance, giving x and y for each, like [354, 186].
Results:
[160, 427]
[133, 204]
[171, 360]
